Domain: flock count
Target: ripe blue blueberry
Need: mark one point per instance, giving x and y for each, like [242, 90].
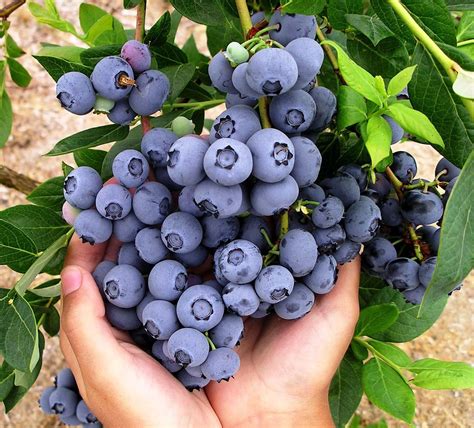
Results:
[91, 227]
[155, 145]
[124, 286]
[167, 280]
[114, 202]
[81, 187]
[75, 93]
[238, 122]
[131, 168]
[112, 78]
[151, 203]
[159, 319]
[151, 90]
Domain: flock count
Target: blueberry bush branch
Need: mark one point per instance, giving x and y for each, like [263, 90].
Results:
[8, 9]
[17, 181]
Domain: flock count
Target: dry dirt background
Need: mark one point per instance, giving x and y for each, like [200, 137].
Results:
[39, 123]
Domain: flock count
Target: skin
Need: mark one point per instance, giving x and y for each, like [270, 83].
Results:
[286, 366]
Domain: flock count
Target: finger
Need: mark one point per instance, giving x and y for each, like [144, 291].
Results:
[84, 255]
[71, 360]
[113, 248]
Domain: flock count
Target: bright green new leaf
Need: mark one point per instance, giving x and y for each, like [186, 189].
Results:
[18, 73]
[6, 114]
[377, 318]
[13, 50]
[437, 374]
[391, 352]
[89, 14]
[400, 81]
[388, 390]
[49, 15]
[355, 76]
[466, 26]
[351, 107]
[414, 122]
[378, 140]
[69, 53]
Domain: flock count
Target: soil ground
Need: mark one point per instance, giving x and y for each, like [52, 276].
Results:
[40, 123]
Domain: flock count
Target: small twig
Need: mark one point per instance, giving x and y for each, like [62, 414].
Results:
[6, 11]
[330, 54]
[17, 181]
[416, 242]
[396, 183]
[263, 110]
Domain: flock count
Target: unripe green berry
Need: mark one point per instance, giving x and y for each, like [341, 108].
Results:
[182, 126]
[103, 105]
[236, 54]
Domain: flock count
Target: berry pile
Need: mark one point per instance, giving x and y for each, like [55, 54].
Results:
[121, 86]
[63, 399]
[246, 198]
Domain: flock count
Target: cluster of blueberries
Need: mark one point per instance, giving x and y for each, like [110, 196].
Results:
[63, 399]
[120, 86]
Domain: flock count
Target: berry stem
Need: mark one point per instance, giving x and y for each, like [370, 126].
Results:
[267, 238]
[330, 54]
[267, 30]
[396, 183]
[263, 110]
[198, 104]
[416, 242]
[244, 15]
[6, 11]
[211, 343]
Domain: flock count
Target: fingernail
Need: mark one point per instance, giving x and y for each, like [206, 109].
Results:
[71, 279]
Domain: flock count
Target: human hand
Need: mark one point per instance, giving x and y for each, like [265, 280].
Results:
[287, 366]
[122, 385]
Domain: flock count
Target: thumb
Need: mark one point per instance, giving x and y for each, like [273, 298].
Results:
[84, 324]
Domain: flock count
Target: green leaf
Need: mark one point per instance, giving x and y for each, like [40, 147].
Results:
[106, 31]
[387, 389]
[455, 255]
[49, 194]
[355, 76]
[3, 72]
[370, 26]
[338, 9]
[351, 107]
[374, 291]
[92, 56]
[303, 7]
[168, 55]
[345, 391]
[196, 92]
[158, 34]
[48, 289]
[388, 16]
[379, 139]
[359, 351]
[437, 374]
[415, 123]
[18, 332]
[465, 60]
[49, 15]
[130, 4]
[391, 352]
[42, 225]
[175, 20]
[6, 114]
[375, 319]
[443, 107]
[458, 5]
[51, 322]
[192, 52]
[218, 37]
[89, 14]
[466, 26]
[56, 67]
[13, 50]
[17, 250]
[7, 377]
[89, 138]
[400, 81]
[18, 73]
[69, 53]
[179, 76]
[207, 12]
[387, 59]
[89, 157]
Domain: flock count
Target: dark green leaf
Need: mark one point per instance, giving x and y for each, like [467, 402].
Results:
[387, 59]
[179, 76]
[414, 122]
[3, 72]
[7, 377]
[388, 390]
[17, 250]
[89, 138]
[42, 225]
[374, 291]
[388, 16]
[13, 50]
[376, 318]
[359, 351]
[338, 9]
[89, 157]
[175, 20]
[466, 26]
[455, 255]
[351, 107]
[370, 26]
[92, 56]
[459, 4]
[442, 106]
[218, 37]
[51, 322]
[345, 391]
[18, 73]
[48, 289]
[207, 12]
[378, 140]
[196, 92]
[437, 374]
[391, 352]
[465, 60]
[89, 14]
[67, 169]
[18, 333]
[198, 120]
[49, 194]
[69, 53]
[6, 114]
[130, 4]
[303, 7]
[56, 67]
[158, 34]
[168, 55]
[194, 56]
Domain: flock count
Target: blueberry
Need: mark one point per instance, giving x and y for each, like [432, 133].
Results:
[232, 100]
[419, 207]
[377, 253]
[313, 192]
[84, 414]
[126, 229]
[137, 54]
[344, 187]
[200, 307]
[272, 198]
[124, 286]
[257, 18]
[190, 382]
[75, 93]
[188, 347]
[298, 252]
[165, 361]
[159, 319]
[292, 26]
[221, 364]
[149, 245]
[156, 144]
[220, 278]
[451, 170]
[322, 278]
[272, 72]
[141, 306]
[362, 220]
[81, 187]
[185, 160]
[326, 103]
[151, 203]
[414, 296]
[347, 252]
[216, 200]
[108, 75]
[167, 280]
[329, 239]
[274, 284]
[239, 80]
[131, 168]
[220, 72]
[114, 202]
[397, 131]
[309, 57]
[122, 113]
[240, 299]
[122, 318]
[402, 273]
[240, 261]
[44, 400]
[250, 230]
[65, 378]
[181, 232]
[128, 255]
[357, 172]
[63, 401]
[404, 166]
[186, 201]
[151, 89]
[219, 231]
[91, 227]
[229, 332]
[391, 214]
[193, 259]
[307, 163]
[298, 303]
[264, 309]
[238, 122]
[382, 186]
[426, 271]
[328, 213]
